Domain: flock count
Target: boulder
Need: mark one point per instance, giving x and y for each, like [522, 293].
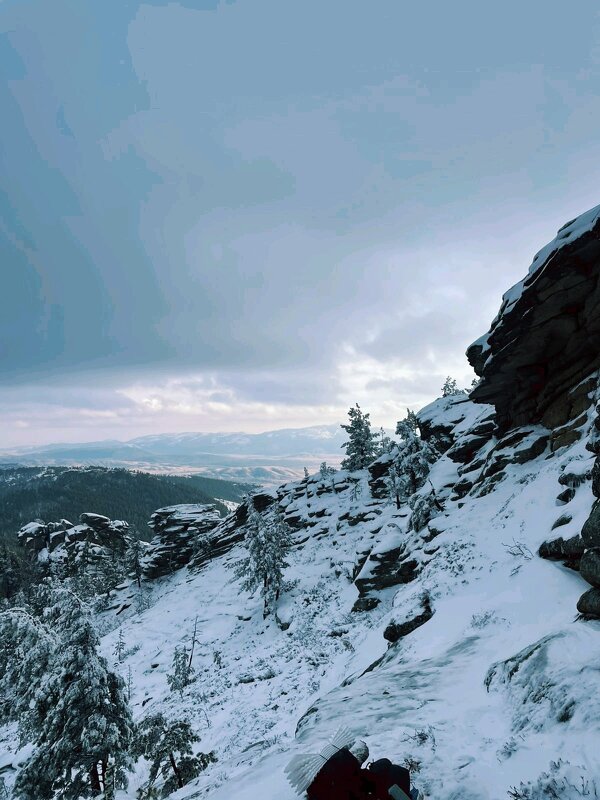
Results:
[569, 551]
[396, 630]
[589, 567]
[589, 603]
[590, 533]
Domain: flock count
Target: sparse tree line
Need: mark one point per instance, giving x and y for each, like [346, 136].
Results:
[412, 457]
[268, 539]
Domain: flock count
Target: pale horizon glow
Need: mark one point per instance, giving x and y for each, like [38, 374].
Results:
[220, 216]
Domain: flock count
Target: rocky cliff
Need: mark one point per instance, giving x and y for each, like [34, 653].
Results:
[539, 366]
[536, 360]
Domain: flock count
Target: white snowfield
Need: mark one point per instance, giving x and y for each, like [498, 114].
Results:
[499, 688]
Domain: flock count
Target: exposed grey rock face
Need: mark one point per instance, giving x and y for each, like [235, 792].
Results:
[180, 533]
[95, 529]
[589, 603]
[590, 533]
[545, 340]
[569, 551]
[589, 566]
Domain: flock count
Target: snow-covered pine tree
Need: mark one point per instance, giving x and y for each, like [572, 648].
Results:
[394, 485]
[182, 671]
[415, 456]
[26, 653]
[277, 544]
[384, 442]
[267, 542]
[119, 649]
[133, 559]
[450, 387]
[168, 748]
[80, 718]
[326, 472]
[361, 447]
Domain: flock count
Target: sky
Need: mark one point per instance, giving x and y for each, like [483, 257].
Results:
[221, 216]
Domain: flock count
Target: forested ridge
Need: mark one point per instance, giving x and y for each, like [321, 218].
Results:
[53, 493]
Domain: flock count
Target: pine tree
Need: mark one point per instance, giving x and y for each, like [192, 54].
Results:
[267, 541]
[415, 456]
[394, 485]
[27, 649]
[119, 649]
[384, 443]
[361, 448]
[168, 748]
[183, 672]
[450, 387]
[133, 559]
[80, 718]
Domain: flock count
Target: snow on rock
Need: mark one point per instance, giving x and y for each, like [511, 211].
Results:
[58, 538]
[180, 533]
[545, 341]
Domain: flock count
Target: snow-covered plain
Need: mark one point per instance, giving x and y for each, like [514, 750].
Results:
[501, 687]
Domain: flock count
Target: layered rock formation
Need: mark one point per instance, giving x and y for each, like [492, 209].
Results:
[545, 341]
[181, 533]
[539, 365]
[46, 538]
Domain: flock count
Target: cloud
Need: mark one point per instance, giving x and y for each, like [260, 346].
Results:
[225, 210]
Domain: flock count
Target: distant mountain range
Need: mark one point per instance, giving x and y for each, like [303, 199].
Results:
[267, 458]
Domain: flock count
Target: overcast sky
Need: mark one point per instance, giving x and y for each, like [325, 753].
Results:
[250, 215]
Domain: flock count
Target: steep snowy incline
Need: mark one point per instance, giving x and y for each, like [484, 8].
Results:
[497, 685]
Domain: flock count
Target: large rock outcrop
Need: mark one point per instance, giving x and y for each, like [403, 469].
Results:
[46, 539]
[181, 533]
[545, 342]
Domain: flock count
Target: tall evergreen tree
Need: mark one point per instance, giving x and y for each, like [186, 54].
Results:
[80, 720]
[361, 447]
[267, 543]
[414, 457]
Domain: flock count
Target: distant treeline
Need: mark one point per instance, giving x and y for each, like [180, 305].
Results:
[54, 493]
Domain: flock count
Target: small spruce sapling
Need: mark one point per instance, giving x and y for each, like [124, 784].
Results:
[182, 671]
[119, 648]
[326, 472]
[450, 387]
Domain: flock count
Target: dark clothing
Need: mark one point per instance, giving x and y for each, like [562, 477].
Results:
[385, 774]
[338, 779]
[341, 778]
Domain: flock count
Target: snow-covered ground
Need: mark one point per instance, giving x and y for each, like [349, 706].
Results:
[499, 684]
[499, 688]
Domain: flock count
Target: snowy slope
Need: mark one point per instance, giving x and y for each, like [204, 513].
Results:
[447, 696]
[499, 688]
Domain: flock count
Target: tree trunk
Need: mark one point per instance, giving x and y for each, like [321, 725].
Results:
[176, 770]
[95, 780]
